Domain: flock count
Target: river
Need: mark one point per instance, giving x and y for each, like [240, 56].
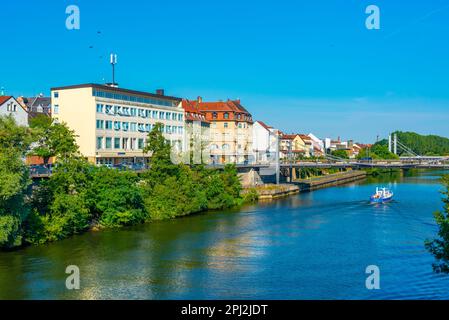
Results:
[310, 246]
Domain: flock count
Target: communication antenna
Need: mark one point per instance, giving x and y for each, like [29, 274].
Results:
[113, 63]
[2, 91]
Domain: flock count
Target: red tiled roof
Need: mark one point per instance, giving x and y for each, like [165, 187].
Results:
[192, 111]
[264, 125]
[3, 99]
[289, 136]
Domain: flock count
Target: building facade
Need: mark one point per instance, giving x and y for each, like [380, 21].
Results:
[292, 147]
[197, 133]
[9, 106]
[265, 142]
[36, 106]
[231, 132]
[112, 124]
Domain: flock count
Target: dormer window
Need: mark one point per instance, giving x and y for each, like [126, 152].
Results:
[214, 115]
[226, 115]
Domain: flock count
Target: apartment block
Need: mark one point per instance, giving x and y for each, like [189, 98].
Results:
[112, 124]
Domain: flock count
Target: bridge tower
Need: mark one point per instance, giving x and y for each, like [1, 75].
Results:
[395, 144]
[389, 143]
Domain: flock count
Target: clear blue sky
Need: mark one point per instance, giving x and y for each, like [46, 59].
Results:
[302, 66]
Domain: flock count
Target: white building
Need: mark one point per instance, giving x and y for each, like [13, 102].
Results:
[265, 144]
[10, 106]
[112, 124]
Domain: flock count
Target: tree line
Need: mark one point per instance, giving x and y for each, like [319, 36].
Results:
[79, 196]
[429, 145]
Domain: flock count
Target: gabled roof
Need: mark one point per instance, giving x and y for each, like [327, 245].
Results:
[230, 105]
[193, 113]
[264, 125]
[3, 99]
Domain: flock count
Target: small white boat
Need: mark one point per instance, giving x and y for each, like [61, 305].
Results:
[382, 195]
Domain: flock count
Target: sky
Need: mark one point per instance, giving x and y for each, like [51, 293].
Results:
[300, 66]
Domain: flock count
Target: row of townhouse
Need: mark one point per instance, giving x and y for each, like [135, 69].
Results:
[112, 126]
[24, 109]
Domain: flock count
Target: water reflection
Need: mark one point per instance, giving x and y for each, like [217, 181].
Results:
[311, 246]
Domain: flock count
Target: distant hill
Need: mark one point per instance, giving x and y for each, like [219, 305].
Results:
[430, 145]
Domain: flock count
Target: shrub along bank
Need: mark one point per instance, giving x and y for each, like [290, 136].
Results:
[79, 195]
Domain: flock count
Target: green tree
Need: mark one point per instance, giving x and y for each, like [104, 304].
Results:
[60, 205]
[114, 198]
[440, 247]
[14, 181]
[340, 154]
[377, 151]
[54, 140]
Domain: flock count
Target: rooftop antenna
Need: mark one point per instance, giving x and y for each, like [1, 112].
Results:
[113, 63]
[2, 91]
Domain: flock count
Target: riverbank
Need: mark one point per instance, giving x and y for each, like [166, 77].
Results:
[273, 191]
[330, 180]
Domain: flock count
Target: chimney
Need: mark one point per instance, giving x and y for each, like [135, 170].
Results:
[160, 92]
[199, 99]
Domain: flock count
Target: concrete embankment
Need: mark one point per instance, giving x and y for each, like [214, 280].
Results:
[329, 180]
[273, 191]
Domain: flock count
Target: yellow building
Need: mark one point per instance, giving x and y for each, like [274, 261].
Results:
[231, 131]
[293, 146]
[112, 123]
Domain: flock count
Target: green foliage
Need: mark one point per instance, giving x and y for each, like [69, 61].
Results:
[430, 145]
[79, 195]
[251, 195]
[377, 151]
[114, 198]
[14, 181]
[54, 140]
[440, 247]
[340, 154]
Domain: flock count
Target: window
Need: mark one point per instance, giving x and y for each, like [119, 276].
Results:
[226, 115]
[125, 143]
[55, 109]
[180, 117]
[125, 126]
[56, 94]
[109, 109]
[142, 113]
[180, 130]
[161, 115]
[133, 127]
[108, 143]
[100, 108]
[148, 127]
[214, 115]
[168, 115]
[225, 146]
[225, 124]
[126, 111]
[154, 114]
[133, 143]
[108, 125]
[133, 112]
[140, 144]
[174, 116]
[117, 110]
[99, 142]
[168, 129]
[116, 143]
[100, 124]
[117, 125]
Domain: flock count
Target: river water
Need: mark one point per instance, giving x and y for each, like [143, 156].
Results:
[309, 246]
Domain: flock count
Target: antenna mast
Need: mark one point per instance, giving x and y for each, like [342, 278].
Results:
[113, 63]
